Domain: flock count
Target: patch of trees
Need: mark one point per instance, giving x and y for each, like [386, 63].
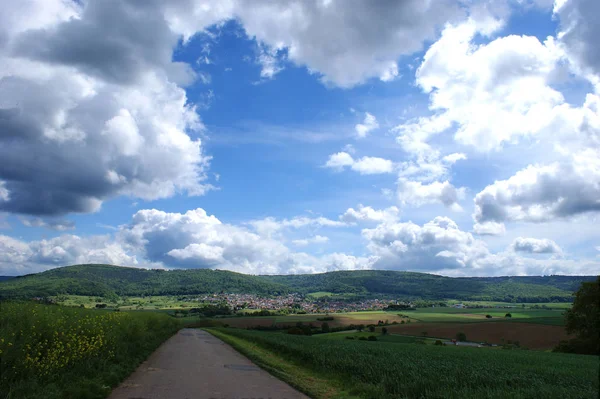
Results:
[112, 282]
[583, 320]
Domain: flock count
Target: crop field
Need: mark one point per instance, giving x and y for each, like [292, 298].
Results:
[378, 369]
[532, 336]
[49, 351]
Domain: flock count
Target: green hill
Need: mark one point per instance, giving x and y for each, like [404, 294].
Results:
[103, 280]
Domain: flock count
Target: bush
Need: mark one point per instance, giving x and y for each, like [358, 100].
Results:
[439, 343]
[295, 331]
[326, 318]
[461, 336]
[325, 328]
[402, 322]
[488, 316]
[349, 337]
[508, 315]
[372, 338]
[362, 338]
[384, 331]
[371, 328]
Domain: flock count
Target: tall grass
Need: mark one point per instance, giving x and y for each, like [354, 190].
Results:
[51, 351]
[384, 370]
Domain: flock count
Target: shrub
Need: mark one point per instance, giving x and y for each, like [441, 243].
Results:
[296, 331]
[372, 338]
[362, 338]
[488, 316]
[371, 328]
[439, 343]
[349, 337]
[325, 328]
[384, 331]
[508, 315]
[402, 322]
[461, 336]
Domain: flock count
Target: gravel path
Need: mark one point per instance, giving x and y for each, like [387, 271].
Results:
[195, 365]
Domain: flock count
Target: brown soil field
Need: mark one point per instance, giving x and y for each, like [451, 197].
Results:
[533, 336]
[243, 322]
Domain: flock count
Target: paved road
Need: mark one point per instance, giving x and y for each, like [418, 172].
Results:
[195, 365]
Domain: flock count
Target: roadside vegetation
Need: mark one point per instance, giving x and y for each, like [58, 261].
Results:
[360, 368]
[56, 352]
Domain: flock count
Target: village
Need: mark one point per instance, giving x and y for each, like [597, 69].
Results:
[295, 303]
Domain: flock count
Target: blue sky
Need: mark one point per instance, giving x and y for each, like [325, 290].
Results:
[459, 138]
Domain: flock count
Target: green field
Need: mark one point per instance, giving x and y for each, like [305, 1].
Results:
[56, 352]
[449, 314]
[366, 369]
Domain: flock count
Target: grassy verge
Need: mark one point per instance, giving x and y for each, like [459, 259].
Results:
[304, 379]
[384, 370]
[55, 352]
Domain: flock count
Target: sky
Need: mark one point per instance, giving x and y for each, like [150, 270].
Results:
[455, 137]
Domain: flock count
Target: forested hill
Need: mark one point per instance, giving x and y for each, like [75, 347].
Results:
[103, 280]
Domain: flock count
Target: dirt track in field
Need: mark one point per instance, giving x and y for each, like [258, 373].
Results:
[195, 365]
[533, 336]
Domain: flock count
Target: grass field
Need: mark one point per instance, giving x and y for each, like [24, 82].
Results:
[380, 370]
[56, 352]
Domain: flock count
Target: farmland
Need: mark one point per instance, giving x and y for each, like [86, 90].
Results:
[59, 352]
[380, 369]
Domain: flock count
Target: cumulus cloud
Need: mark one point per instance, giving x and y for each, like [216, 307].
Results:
[19, 257]
[369, 124]
[541, 193]
[439, 246]
[368, 214]
[364, 165]
[91, 108]
[364, 39]
[196, 240]
[535, 246]
[579, 32]
[495, 93]
[417, 193]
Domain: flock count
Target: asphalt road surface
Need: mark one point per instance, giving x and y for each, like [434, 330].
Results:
[195, 365]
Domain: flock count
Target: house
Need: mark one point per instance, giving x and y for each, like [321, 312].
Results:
[459, 306]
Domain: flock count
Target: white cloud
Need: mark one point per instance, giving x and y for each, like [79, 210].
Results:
[19, 257]
[368, 214]
[496, 92]
[312, 240]
[489, 229]
[541, 193]
[417, 193]
[93, 88]
[578, 36]
[439, 246]
[270, 62]
[364, 165]
[339, 160]
[49, 223]
[369, 124]
[270, 225]
[535, 246]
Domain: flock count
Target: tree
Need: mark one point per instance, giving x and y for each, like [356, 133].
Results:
[461, 336]
[488, 316]
[508, 315]
[583, 320]
[325, 327]
[384, 331]
[372, 328]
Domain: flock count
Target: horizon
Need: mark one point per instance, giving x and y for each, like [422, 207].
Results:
[332, 271]
[458, 138]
